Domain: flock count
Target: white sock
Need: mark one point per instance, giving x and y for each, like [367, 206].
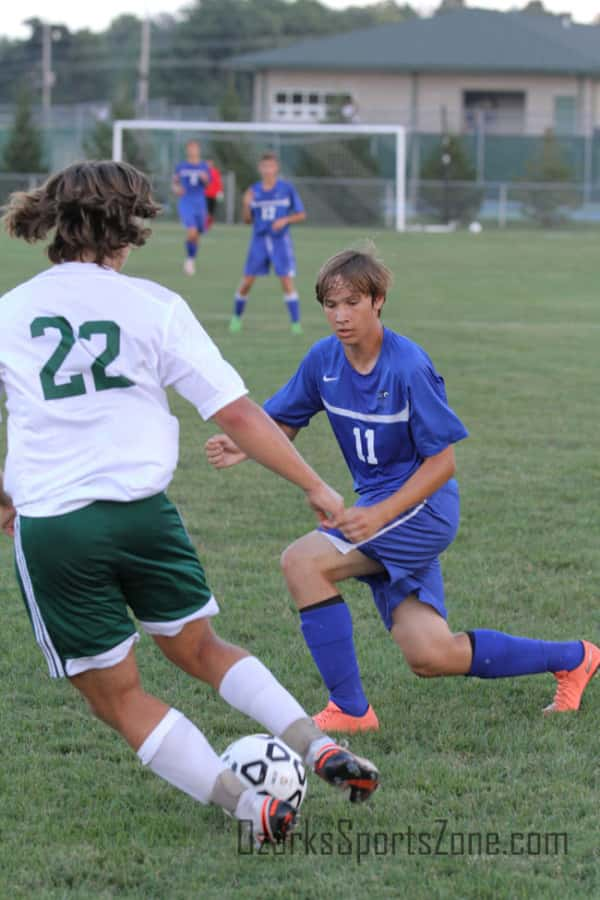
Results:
[249, 687]
[314, 751]
[178, 752]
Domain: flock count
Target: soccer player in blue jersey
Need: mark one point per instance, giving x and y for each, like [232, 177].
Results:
[388, 410]
[189, 183]
[270, 206]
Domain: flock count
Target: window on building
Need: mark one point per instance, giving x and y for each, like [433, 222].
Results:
[312, 106]
[502, 112]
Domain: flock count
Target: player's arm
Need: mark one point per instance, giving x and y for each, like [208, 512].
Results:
[192, 364]
[222, 452]
[435, 428]
[259, 438]
[298, 213]
[292, 219]
[247, 199]
[176, 185]
[361, 522]
[7, 511]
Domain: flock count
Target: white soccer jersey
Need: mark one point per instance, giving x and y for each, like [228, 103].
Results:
[85, 357]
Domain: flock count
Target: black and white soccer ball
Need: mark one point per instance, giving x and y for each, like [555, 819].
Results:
[267, 764]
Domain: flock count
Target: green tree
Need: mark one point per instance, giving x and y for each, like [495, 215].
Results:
[24, 150]
[98, 144]
[234, 153]
[450, 6]
[549, 192]
[451, 194]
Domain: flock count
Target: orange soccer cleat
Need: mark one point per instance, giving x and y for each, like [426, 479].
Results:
[571, 685]
[332, 718]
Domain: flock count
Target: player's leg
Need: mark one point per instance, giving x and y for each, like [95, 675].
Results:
[431, 649]
[312, 567]
[257, 263]
[211, 203]
[426, 642]
[247, 685]
[239, 302]
[174, 748]
[192, 243]
[187, 217]
[284, 264]
[166, 587]
[79, 616]
[292, 301]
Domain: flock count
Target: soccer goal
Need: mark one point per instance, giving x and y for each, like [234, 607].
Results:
[347, 175]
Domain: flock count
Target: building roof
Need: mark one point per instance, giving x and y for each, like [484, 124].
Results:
[469, 40]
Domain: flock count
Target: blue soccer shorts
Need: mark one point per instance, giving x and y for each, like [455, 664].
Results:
[266, 250]
[192, 214]
[409, 548]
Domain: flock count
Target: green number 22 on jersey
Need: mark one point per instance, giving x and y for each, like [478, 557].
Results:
[75, 386]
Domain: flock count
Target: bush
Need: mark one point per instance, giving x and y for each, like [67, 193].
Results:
[549, 191]
[453, 196]
[24, 151]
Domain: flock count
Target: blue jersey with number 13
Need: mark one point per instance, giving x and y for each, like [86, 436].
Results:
[266, 206]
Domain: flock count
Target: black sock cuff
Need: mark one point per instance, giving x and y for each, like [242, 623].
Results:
[471, 636]
[331, 601]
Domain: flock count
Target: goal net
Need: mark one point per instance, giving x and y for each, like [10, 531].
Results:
[347, 175]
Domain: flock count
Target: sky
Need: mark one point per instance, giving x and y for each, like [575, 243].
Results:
[97, 15]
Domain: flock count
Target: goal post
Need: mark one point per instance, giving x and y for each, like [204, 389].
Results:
[207, 129]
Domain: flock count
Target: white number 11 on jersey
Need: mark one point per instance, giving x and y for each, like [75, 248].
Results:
[370, 441]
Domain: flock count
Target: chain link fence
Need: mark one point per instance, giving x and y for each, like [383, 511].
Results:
[370, 202]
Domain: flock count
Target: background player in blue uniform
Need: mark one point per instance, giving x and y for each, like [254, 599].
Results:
[271, 206]
[388, 409]
[189, 182]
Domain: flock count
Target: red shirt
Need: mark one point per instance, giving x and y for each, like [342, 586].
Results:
[215, 185]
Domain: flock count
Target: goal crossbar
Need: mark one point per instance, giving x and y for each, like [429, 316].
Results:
[121, 125]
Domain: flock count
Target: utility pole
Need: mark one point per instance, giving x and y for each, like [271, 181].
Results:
[47, 75]
[144, 70]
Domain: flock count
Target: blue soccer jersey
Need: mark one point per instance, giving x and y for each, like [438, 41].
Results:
[281, 200]
[189, 176]
[386, 422]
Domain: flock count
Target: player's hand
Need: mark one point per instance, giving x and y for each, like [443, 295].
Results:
[178, 190]
[359, 523]
[278, 224]
[327, 504]
[8, 515]
[222, 452]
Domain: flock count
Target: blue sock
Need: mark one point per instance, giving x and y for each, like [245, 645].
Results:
[293, 305]
[327, 630]
[239, 305]
[499, 655]
[191, 248]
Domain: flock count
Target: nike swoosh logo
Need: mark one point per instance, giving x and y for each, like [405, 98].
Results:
[589, 663]
[330, 377]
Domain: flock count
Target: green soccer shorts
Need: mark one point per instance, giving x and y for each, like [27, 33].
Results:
[79, 573]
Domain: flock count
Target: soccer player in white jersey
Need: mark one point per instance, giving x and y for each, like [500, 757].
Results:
[388, 409]
[86, 355]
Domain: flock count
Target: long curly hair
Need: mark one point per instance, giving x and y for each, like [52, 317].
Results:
[94, 208]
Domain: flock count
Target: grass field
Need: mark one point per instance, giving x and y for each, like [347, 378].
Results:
[513, 322]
